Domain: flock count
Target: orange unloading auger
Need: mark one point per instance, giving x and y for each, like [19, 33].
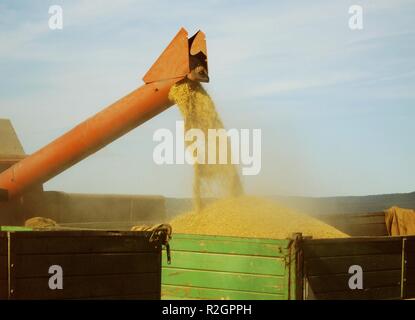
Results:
[183, 58]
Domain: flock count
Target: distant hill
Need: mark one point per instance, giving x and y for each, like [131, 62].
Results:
[321, 206]
[350, 204]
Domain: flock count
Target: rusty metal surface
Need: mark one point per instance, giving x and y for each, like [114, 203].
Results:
[3, 195]
[198, 58]
[10, 145]
[198, 44]
[173, 63]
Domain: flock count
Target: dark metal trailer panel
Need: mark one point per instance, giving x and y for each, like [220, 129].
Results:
[95, 265]
[358, 224]
[3, 266]
[388, 265]
[410, 267]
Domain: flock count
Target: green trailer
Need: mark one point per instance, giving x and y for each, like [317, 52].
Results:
[221, 268]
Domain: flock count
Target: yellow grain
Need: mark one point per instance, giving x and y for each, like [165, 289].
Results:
[249, 216]
[233, 214]
[199, 112]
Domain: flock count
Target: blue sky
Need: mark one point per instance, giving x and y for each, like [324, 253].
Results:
[336, 106]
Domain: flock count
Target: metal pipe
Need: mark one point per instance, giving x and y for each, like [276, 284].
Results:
[111, 123]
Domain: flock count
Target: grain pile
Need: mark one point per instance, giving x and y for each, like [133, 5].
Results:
[233, 214]
[199, 112]
[249, 216]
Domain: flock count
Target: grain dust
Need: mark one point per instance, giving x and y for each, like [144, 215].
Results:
[233, 214]
[199, 112]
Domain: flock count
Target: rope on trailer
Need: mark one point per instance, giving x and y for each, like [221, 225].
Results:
[160, 233]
